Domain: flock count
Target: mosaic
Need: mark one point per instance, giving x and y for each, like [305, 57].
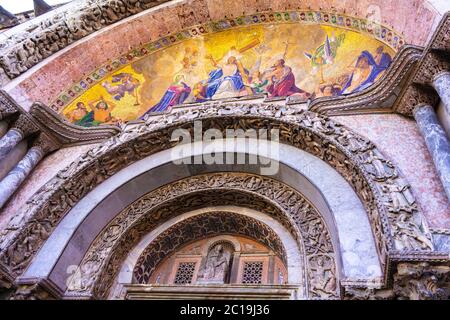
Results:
[271, 55]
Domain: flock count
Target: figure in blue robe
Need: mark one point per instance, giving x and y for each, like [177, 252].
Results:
[366, 59]
[217, 79]
[175, 94]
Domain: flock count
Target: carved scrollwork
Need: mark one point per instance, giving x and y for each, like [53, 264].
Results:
[433, 64]
[416, 96]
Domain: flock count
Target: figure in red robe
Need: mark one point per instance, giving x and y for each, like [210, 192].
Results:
[282, 81]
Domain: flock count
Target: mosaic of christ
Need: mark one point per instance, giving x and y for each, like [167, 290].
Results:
[281, 60]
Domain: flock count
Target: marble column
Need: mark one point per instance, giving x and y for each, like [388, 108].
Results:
[441, 84]
[21, 128]
[9, 141]
[436, 141]
[13, 158]
[16, 176]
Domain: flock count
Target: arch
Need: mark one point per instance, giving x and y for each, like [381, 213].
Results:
[293, 251]
[332, 197]
[348, 153]
[250, 191]
[214, 241]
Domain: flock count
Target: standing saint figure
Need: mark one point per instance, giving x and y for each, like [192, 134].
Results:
[216, 268]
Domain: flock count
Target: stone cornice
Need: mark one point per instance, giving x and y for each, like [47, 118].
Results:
[435, 60]
[52, 128]
[377, 98]
[66, 133]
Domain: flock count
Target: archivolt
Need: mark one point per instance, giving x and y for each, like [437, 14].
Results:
[103, 259]
[394, 216]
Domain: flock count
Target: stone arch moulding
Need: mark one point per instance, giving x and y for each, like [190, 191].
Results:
[333, 198]
[105, 255]
[397, 224]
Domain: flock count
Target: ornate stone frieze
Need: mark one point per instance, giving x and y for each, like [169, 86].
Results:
[7, 106]
[396, 221]
[441, 40]
[35, 289]
[416, 95]
[422, 281]
[25, 125]
[434, 63]
[376, 98]
[410, 281]
[106, 254]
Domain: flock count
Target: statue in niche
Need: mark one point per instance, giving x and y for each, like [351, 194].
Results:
[216, 266]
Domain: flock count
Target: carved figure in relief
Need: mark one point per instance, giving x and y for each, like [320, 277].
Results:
[323, 280]
[379, 164]
[400, 196]
[216, 267]
[355, 143]
[408, 235]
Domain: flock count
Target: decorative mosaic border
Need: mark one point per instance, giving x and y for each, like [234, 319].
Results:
[377, 31]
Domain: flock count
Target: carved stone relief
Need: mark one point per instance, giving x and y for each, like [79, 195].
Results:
[22, 51]
[411, 281]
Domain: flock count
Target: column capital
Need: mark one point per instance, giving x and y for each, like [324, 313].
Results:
[7, 107]
[25, 125]
[434, 63]
[44, 144]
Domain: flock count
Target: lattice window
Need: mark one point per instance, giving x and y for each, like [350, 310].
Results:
[252, 273]
[185, 273]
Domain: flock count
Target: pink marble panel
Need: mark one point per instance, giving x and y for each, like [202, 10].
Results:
[399, 139]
